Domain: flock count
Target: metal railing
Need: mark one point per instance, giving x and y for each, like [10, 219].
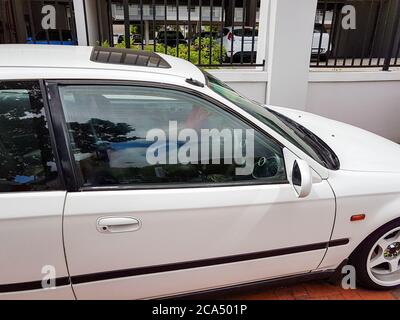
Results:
[22, 22]
[209, 33]
[214, 33]
[356, 34]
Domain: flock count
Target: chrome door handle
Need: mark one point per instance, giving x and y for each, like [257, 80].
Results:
[117, 224]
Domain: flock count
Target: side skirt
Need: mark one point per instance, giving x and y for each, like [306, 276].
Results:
[252, 287]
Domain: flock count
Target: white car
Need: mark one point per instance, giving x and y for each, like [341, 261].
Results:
[320, 43]
[85, 214]
[239, 43]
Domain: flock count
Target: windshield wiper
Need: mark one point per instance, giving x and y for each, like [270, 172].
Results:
[326, 155]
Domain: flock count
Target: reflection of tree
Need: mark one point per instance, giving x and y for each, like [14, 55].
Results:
[95, 137]
[25, 148]
[89, 136]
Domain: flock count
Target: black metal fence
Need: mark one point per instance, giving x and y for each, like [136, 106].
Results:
[21, 21]
[357, 33]
[212, 33]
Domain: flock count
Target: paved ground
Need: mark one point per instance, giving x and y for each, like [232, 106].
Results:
[316, 290]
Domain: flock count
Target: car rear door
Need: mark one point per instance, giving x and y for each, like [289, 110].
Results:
[246, 39]
[135, 228]
[31, 198]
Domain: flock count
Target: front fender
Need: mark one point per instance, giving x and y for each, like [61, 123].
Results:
[377, 195]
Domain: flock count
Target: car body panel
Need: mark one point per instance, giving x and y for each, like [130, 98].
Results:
[357, 149]
[57, 293]
[241, 44]
[31, 233]
[78, 58]
[375, 194]
[193, 224]
[160, 285]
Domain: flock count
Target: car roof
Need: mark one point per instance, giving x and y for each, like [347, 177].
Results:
[78, 57]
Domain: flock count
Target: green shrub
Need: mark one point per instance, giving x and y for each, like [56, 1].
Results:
[183, 50]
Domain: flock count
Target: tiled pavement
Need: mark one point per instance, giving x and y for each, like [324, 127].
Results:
[315, 290]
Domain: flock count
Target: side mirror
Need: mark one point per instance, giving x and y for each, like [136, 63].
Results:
[301, 178]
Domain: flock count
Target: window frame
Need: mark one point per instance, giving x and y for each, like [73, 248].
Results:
[59, 182]
[73, 177]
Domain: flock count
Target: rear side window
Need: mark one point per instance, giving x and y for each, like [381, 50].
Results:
[26, 159]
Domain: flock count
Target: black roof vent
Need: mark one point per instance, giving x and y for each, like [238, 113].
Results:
[128, 57]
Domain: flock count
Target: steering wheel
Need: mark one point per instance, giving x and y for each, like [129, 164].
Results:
[266, 167]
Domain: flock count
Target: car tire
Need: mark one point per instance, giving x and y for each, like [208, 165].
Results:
[371, 252]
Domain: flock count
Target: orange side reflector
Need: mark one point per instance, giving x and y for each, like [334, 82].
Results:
[357, 217]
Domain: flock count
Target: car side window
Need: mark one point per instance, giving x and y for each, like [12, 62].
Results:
[26, 157]
[132, 135]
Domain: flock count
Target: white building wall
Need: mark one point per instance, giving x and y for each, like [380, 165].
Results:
[250, 82]
[366, 99]
[369, 100]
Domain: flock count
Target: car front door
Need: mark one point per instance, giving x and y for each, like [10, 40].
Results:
[151, 216]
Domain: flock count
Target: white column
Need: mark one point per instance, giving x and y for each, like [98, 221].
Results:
[146, 32]
[290, 34]
[80, 23]
[263, 26]
[91, 22]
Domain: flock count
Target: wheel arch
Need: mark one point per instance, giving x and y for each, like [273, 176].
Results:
[359, 231]
[372, 234]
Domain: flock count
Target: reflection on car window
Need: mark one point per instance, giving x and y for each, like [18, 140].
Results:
[108, 127]
[26, 159]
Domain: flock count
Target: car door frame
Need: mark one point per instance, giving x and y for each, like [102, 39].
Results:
[71, 173]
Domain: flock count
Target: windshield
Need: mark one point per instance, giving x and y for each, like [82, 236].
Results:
[292, 131]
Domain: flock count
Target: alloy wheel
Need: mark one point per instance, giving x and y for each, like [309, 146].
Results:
[383, 263]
